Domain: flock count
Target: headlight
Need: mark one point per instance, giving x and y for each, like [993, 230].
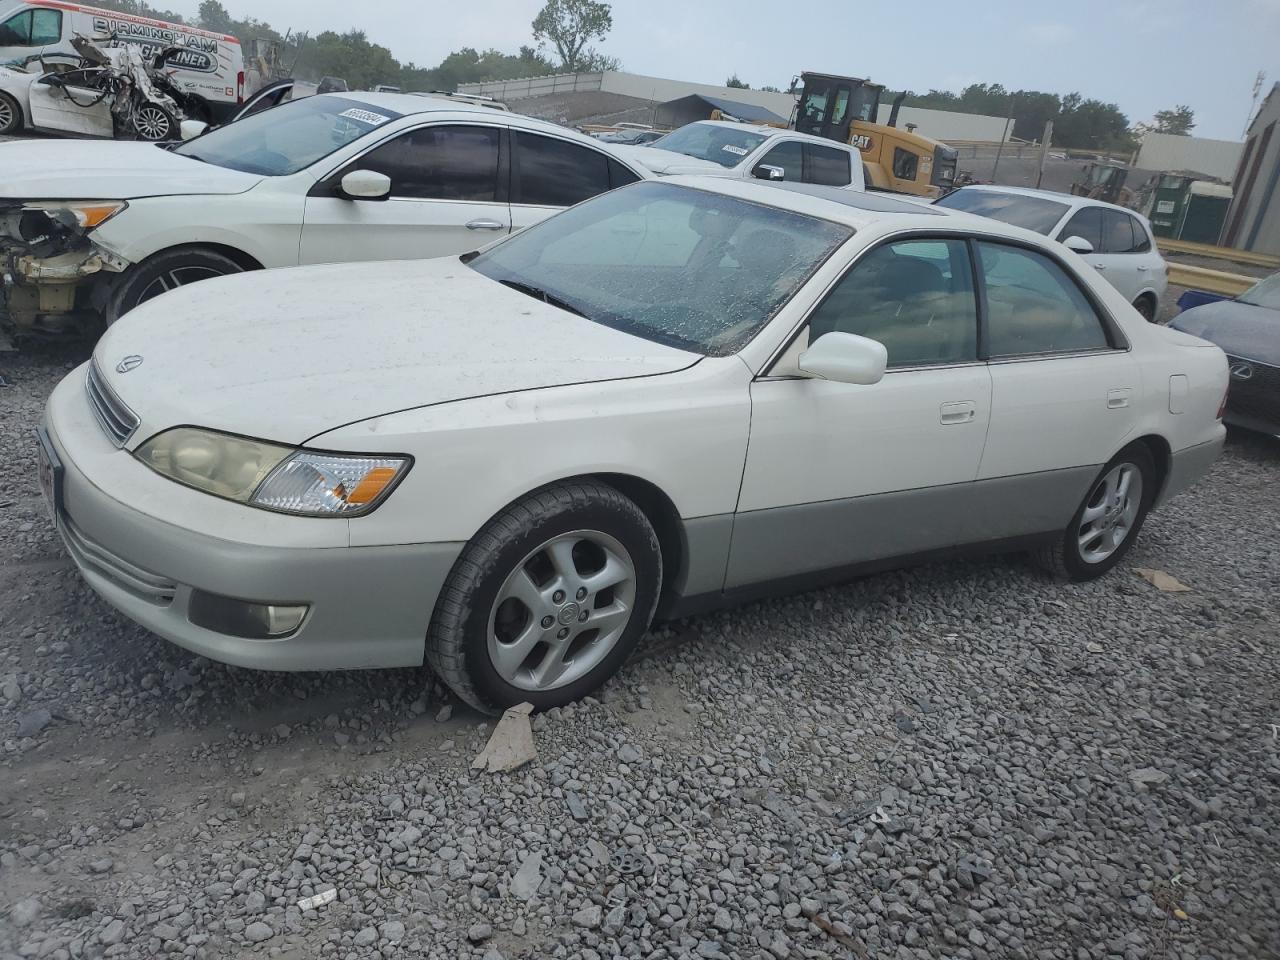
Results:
[87, 214]
[272, 476]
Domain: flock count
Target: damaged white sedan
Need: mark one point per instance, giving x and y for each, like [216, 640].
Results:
[90, 230]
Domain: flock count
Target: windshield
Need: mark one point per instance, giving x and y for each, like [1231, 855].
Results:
[684, 267]
[1033, 213]
[289, 137]
[708, 141]
[1264, 293]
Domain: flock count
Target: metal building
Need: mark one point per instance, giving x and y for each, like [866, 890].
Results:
[1254, 220]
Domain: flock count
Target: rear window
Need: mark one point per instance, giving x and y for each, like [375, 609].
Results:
[1033, 213]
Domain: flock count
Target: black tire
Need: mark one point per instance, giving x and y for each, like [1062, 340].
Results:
[164, 271]
[1147, 307]
[1065, 559]
[154, 123]
[10, 115]
[457, 646]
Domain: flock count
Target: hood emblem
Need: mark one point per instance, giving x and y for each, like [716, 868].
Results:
[131, 362]
[1241, 371]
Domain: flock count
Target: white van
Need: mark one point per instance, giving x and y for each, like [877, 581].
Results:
[210, 65]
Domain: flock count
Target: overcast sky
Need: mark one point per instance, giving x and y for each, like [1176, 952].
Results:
[1145, 55]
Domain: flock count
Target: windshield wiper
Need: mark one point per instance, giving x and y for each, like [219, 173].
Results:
[539, 294]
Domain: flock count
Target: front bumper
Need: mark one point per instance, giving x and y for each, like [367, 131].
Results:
[369, 606]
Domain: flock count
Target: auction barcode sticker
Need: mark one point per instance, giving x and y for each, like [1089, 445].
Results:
[730, 148]
[364, 116]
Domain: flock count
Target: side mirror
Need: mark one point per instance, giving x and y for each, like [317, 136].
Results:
[767, 171]
[846, 358]
[366, 185]
[1078, 244]
[190, 129]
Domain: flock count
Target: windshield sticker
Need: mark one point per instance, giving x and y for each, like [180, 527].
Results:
[736, 151]
[364, 116]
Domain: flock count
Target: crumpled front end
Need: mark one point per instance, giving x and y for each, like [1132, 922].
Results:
[56, 279]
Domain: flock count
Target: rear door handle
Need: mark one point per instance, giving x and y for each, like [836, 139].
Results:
[1118, 398]
[1099, 266]
[486, 225]
[958, 411]
[1141, 268]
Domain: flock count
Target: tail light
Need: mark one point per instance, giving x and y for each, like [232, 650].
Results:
[1222, 407]
[240, 87]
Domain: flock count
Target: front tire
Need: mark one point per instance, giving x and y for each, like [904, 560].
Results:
[154, 123]
[548, 600]
[166, 271]
[1107, 522]
[10, 115]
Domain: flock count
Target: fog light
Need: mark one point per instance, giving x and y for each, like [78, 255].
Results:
[243, 618]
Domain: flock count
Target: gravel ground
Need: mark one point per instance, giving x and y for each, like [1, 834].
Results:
[961, 760]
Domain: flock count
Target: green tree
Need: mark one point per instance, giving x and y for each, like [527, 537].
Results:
[213, 16]
[1180, 121]
[569, 26]
[737, 84]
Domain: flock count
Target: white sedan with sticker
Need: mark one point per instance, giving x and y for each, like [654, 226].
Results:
[328, 178]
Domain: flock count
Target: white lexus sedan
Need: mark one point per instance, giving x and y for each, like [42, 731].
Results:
[671, 397]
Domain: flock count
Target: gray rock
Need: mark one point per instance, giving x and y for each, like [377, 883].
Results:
[525, 882]
[479, 932]
[365, 936]
[629, 754]
[255, 902]
[445, 713]
[588, 917]
[392, 931]
[25, 912]
[31, 724]
[258, 931]
[112, 933]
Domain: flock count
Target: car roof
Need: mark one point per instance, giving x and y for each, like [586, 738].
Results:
[1067, 199]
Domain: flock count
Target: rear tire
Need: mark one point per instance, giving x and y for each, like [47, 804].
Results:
[154, 123]
[1108, 520]
[548, 600]
[1147, 307]
[163, 272]
[10, 115]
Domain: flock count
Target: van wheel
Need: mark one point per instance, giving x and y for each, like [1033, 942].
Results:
[163, 272]
[10, 114]
[1108, 520]
[548, 600]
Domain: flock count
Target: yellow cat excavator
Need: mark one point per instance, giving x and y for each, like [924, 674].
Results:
[845, 109]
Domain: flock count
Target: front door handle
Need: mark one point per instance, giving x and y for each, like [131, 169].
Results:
[1099, 266]
[1141, 268]
[1119, 398]
[958, 411]
[486, 225]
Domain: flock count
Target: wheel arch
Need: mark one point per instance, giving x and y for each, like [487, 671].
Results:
[1161, 456]
[242, 259]
[1149, 294]
[658, 507]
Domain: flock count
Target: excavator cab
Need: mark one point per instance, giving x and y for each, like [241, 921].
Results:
[829, 105]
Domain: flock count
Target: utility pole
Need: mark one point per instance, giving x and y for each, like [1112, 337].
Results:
[1046, 141]
[1000, 149]
[1258, 81]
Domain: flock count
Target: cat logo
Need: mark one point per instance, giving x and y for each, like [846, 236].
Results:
[861, 141]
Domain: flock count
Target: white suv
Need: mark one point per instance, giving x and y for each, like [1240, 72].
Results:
[718, 148]
[1115, 241]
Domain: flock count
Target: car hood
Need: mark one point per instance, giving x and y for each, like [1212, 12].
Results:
[108, 170]
[1240, 329]
[286, 355]
[668, 163]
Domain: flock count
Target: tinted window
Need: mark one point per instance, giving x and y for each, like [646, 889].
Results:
[1117, 232]
[620, 176]
[1141, 239]
[725, 145]
[914, 296]
[694, 269]
[790, 157]
[46, 27]
[439, 163]
[1016, 209]
[16, 31]
[556, 173]
[904, 164]
[827, 165]
[1034, 307]
[1085, 223]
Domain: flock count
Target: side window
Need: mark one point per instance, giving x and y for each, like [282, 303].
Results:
[620, 176]
[439, 163]
[914, 296]
[827, 165]
[556, 173]
[46, 27]
[1141, 239]
[904, 164]
[16, 31]
[1117, 232]
[790, 157]
[1033, 307]
[1087, 224]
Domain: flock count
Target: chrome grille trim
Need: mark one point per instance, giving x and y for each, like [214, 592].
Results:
[143, 584]
[113, 414]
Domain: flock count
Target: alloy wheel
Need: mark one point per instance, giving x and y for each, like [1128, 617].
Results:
[177, 277]
[1110, 513]
[152, 123]
[7, 116]
[561, 610]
